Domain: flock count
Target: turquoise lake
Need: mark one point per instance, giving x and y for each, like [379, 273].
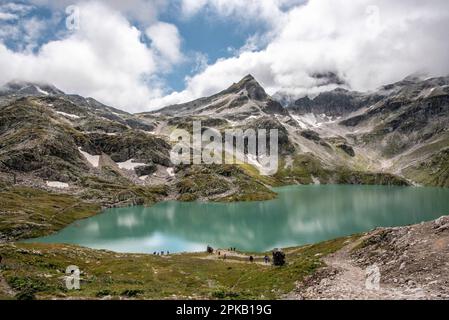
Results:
[300, 215]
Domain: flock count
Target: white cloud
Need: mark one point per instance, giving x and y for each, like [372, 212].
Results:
[269, 11]
[22, 30]
[9, 31]
[6, 16]
[191, 7]
[145, 11]
[32, 29]
[15, 8]
[367, 43]
[12, 11]
[105, 59]
[166, 40]
[10, 14]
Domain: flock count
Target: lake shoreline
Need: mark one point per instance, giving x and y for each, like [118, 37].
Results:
[350, 209]
[100, 208]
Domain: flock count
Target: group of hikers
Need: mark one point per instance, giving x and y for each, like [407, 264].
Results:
[278, 256]
[156, 253]
[266, 259]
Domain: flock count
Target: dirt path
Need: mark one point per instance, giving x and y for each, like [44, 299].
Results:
[343, 279]
[350, 280]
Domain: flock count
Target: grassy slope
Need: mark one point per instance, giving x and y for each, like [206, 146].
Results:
[37, 269]
[28, 213]
[434, 171]
[305, 167]
[197, 182]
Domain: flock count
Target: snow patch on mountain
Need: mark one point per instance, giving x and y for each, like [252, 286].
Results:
[93, 160]
[41, 91]
[129, 165]
[57, 184]
[171, 172]
[307, 121]
[68, 115]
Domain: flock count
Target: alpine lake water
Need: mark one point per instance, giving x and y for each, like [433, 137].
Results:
[300, 215]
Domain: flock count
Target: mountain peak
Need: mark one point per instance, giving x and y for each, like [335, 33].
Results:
[248, 77]
[251, 86]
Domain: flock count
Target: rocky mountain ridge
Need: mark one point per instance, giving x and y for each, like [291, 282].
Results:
[243, 99]
[60, 142]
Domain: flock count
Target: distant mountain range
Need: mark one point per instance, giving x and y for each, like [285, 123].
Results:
[67, 143]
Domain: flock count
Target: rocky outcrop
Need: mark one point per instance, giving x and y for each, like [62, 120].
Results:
[268, 123]
[347, 149]
[129, 145]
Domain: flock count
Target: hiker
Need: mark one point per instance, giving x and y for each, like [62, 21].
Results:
[251, 259]
[219, 253]
[266, 259]
[224, 256]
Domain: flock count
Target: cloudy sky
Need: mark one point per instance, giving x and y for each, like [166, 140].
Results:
[139, 55]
